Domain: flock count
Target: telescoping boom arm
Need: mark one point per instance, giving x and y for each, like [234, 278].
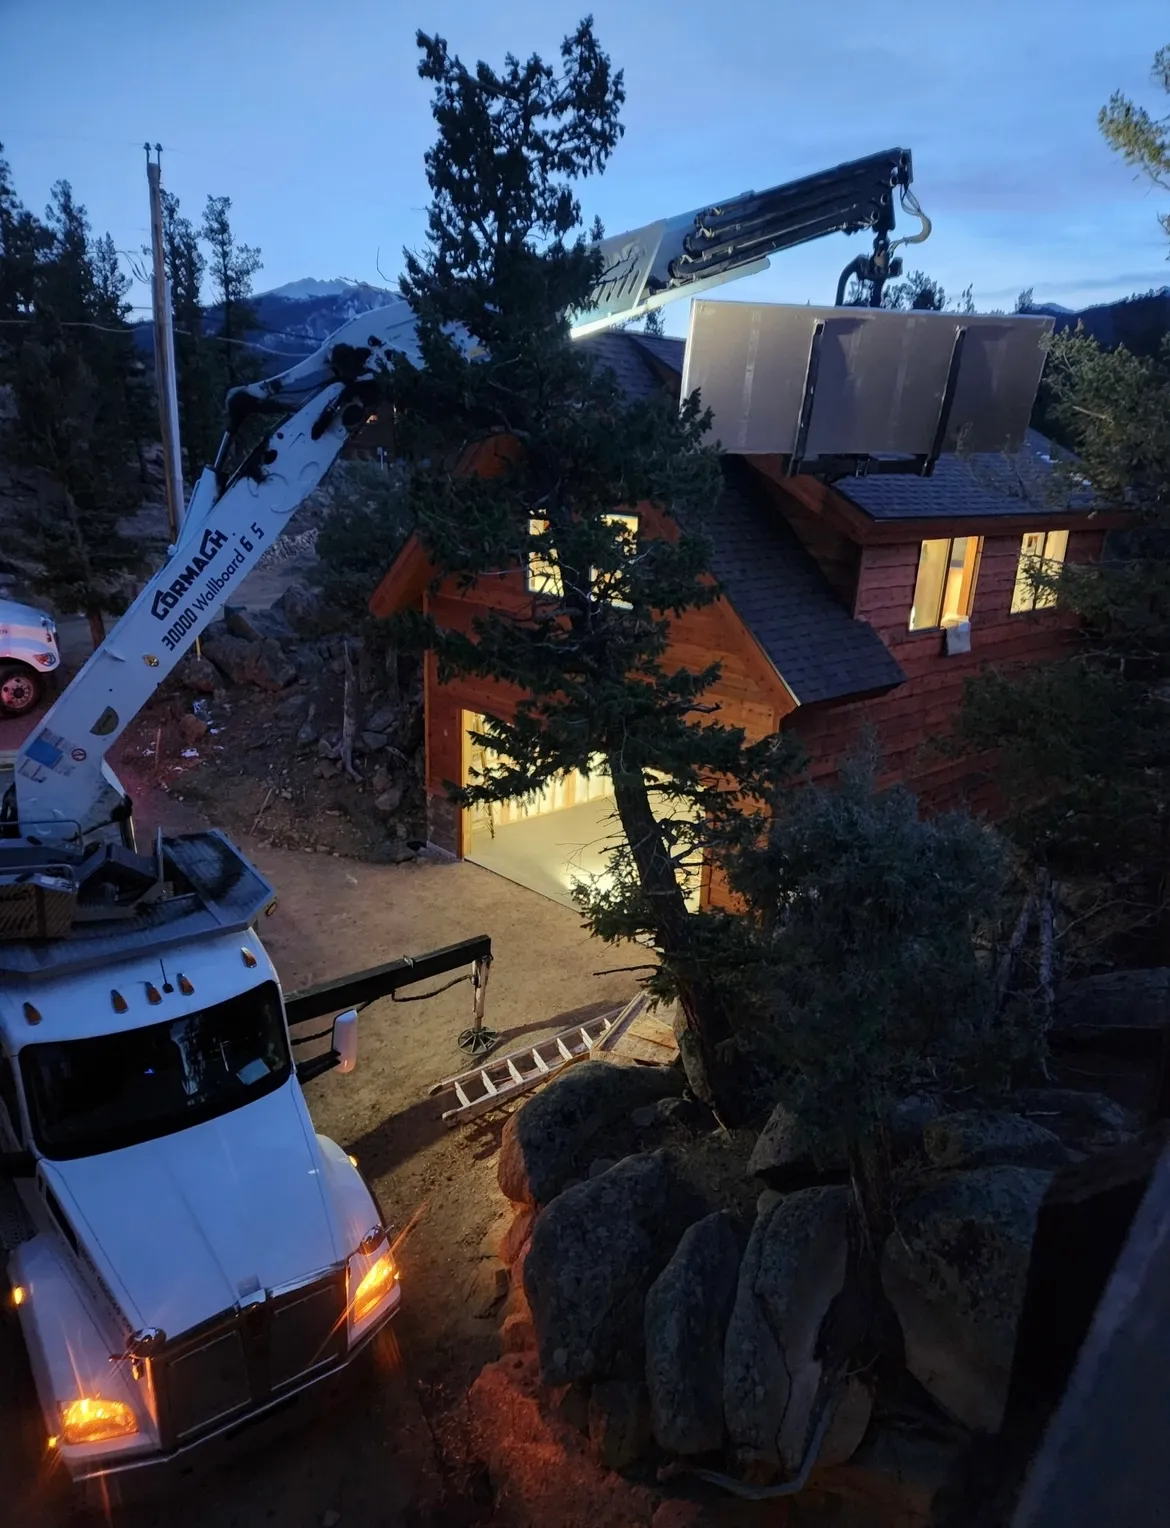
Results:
[63, 786]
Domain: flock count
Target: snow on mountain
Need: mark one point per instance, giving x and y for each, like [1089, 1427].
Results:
[309, 286]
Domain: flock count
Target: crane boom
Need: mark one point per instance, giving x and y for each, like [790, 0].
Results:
[63, 786]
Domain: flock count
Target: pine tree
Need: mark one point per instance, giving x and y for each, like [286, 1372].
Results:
[231, 267]
[80, 414]
[24, 240]
[505, 260]
[200, 376]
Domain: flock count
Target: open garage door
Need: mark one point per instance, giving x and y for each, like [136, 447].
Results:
[550, 840]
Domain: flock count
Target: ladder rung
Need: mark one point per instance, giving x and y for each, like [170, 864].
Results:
[462, 1097]
[489, 1085]
[564, 1049]
[541, 1063]
[517, 1075]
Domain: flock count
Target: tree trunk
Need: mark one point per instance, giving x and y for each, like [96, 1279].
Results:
[349, 715]
[393, 689]
[97, 626]
[701, 1000]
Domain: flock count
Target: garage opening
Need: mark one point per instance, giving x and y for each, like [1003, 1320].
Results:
[552, 839]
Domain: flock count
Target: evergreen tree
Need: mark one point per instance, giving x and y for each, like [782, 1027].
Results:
[200, 376]
[24, 241]
[588, 648]
[857, 951]
[231, 267]
[366, 524]
[81, 411]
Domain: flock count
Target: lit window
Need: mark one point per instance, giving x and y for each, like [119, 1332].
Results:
[544, 577]
[1040, 552]
[945, 586]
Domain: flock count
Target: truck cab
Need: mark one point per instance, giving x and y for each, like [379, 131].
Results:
[194, 1256]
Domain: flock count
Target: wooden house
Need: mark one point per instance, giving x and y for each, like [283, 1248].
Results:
[863, 603]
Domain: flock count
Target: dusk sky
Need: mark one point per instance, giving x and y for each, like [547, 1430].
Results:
[311, 117]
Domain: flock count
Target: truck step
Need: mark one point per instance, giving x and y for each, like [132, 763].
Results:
[503, 1078]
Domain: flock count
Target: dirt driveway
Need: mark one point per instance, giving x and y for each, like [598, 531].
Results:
[373, 1462]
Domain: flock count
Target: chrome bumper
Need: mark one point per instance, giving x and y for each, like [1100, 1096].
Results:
[103, 1484]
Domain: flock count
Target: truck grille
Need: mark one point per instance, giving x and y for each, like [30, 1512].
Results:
[242, 1359]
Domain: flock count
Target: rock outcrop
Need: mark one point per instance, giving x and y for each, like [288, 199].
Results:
[264, 663]
[955, 1271]
[595, 1251]
[991, 1138]
[687, 1311]
[792, 1271]
[786, 1157]
[559, 1131]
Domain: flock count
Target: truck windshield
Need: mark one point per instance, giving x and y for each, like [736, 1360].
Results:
[94, 1095]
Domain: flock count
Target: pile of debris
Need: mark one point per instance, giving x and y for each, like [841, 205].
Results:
[296, 736]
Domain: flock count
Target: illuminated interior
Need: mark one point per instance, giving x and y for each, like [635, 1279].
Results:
[553, 838]
[1040, 551]
[944, 589]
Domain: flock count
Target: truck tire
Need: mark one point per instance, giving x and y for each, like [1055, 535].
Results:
[21, 689]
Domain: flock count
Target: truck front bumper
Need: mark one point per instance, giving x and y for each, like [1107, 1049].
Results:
[105, 1483]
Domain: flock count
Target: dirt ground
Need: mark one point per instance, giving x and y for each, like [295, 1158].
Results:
[374, 1461]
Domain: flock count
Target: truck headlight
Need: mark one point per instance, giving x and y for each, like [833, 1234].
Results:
[93, 1419]
[379, 1280]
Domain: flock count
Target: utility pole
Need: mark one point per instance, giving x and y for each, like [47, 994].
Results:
[164, 349]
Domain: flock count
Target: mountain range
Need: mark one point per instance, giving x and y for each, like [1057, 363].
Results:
[294, 319]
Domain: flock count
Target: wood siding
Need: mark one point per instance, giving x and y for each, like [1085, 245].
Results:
[911, 720]
[749, 693]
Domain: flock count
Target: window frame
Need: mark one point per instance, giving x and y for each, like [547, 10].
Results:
[972, 582]
[1037, 599]
[551, 586]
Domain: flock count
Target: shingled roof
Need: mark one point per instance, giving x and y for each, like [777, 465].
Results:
[634, 373]
[818, 649]
[968, 488]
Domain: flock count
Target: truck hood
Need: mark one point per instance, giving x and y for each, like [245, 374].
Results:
[182, 1227]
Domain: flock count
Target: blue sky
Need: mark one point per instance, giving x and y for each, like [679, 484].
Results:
[311, 117]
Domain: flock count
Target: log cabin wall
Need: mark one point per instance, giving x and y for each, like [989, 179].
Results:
[910, 720]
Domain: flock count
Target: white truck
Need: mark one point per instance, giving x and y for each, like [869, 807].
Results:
[188, 1256]
[28, 656]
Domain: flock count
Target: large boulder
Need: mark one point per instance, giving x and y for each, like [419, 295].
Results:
[595, 1252]
[955, 1271]
[195, 673]
[687, 1310]
[567, 1125]
[301, 608]
[791, 1273]
[991, 1138]
[786, 1156]
[263, 664]
[256, 625]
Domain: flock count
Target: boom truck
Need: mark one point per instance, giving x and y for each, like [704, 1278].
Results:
[187, 1256]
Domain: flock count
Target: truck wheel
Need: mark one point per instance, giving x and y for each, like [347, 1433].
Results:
[21, 689]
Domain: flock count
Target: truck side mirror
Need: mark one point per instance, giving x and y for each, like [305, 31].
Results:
[345, 1039]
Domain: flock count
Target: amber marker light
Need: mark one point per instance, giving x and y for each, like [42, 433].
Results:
[93, 1419]
[374, 1288]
